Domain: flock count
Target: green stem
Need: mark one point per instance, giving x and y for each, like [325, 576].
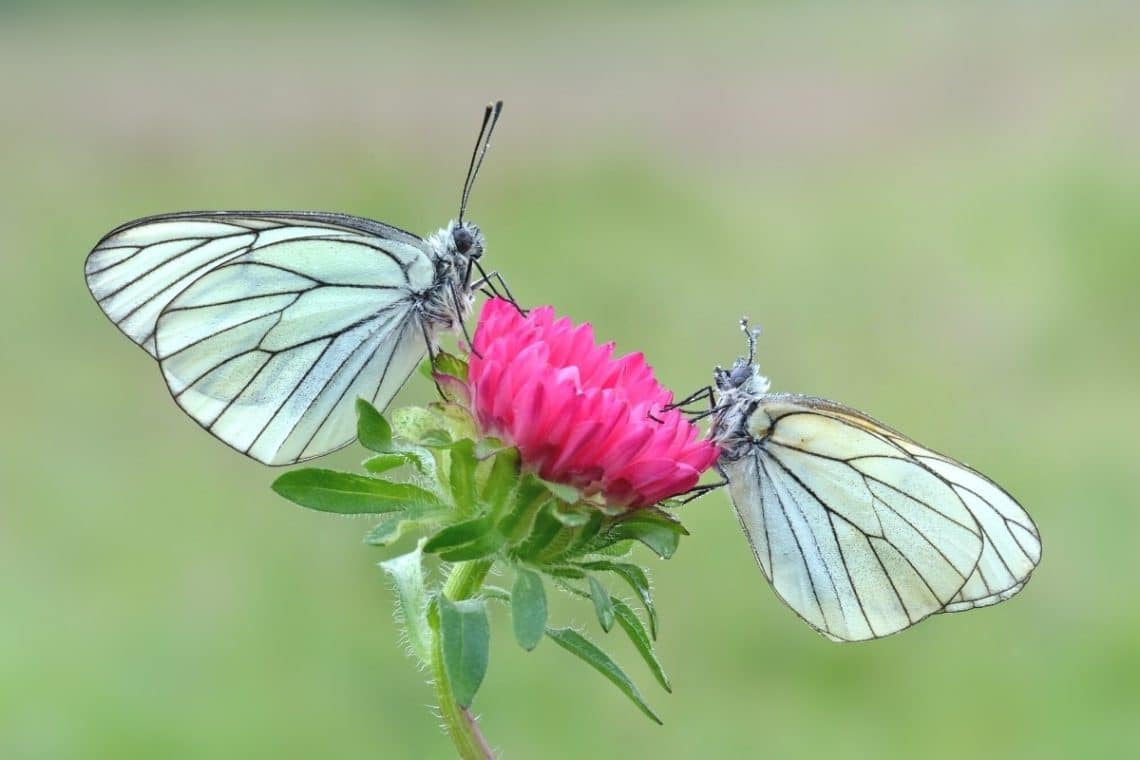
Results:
[464, 580]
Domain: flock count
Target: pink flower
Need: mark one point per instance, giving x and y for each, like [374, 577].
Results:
[577, 415]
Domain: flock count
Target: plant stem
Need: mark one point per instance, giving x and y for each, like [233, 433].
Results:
[464, 580]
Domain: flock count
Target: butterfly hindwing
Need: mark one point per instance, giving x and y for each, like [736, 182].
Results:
[863, 532]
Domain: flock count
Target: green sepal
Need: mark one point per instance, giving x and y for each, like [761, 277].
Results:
[372, 429]
[465, 638]
[572, 515]
[407, 573]
[603, 606]
[568, 494]
[584, 649]
[633, 628]
[349, 494]
[638, 581]
[528, 608]
[658, 530]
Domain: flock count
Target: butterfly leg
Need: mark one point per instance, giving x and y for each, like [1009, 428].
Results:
[703, 394]
[489, 279]
[431, 358]
[698, 491]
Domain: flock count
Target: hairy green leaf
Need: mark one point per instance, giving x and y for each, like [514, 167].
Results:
[602, 604]
[465, 637]
[346, 493]
[528, 608]
[658, 530]
[581, 647]
[371, 428]
[462, 476]
[638, 581]
[633, 628]
[407, 573]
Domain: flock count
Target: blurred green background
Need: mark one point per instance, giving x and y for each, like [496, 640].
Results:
[934, 214]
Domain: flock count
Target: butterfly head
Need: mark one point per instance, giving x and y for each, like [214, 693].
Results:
[743, 378]
[466, 239]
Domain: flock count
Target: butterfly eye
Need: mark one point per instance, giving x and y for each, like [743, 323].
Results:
[463, 239]
[740, 374]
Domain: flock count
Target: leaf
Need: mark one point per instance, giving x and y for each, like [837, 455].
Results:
[602, 605]
[371, 428]
[348, 494]
[528, 608]
[529, 498]
[391, 529]
[407, 573]
[638, 581]
[633, 628]
[581, 647]
[462, 476]
[451, 365]
[391, 460]
[542, 534]
[496, 593]
[465, 637]
[501, 480]
[486, 545]
[458, 534]
[658, 530]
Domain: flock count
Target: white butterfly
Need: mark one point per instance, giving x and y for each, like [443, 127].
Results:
[859, 529]
[269, 325]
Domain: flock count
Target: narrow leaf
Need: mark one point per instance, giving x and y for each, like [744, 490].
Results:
[501, 480]
[450, 364]
[391, 460]
[465, 636]
[656, 529]
[371, 427]
[391, 529]
[528, 608]
[581, 647]
[602, 605]
[638, 581]
[484, 546]
[345, 493]
[407, 573]
[458, 534]
[633, 628]
[462, 476]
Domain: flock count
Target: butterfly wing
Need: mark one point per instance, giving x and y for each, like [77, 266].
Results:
[269, 326]
[138, 268]
[863, 532]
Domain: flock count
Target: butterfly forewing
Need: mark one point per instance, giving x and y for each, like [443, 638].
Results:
[863, 532]
[269, 326]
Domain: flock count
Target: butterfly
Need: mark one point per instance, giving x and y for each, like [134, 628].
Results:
[267, 325]
[860, 530]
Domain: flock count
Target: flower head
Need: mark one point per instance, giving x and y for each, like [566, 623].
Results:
[578, 415]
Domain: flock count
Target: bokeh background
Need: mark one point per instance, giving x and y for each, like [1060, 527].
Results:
[934, 213]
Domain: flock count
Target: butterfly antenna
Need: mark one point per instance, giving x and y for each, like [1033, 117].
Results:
[490, 119]
[751, 334]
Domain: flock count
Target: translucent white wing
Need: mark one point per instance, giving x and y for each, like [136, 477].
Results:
[863, 532]
[267, 328]
[136, 269]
